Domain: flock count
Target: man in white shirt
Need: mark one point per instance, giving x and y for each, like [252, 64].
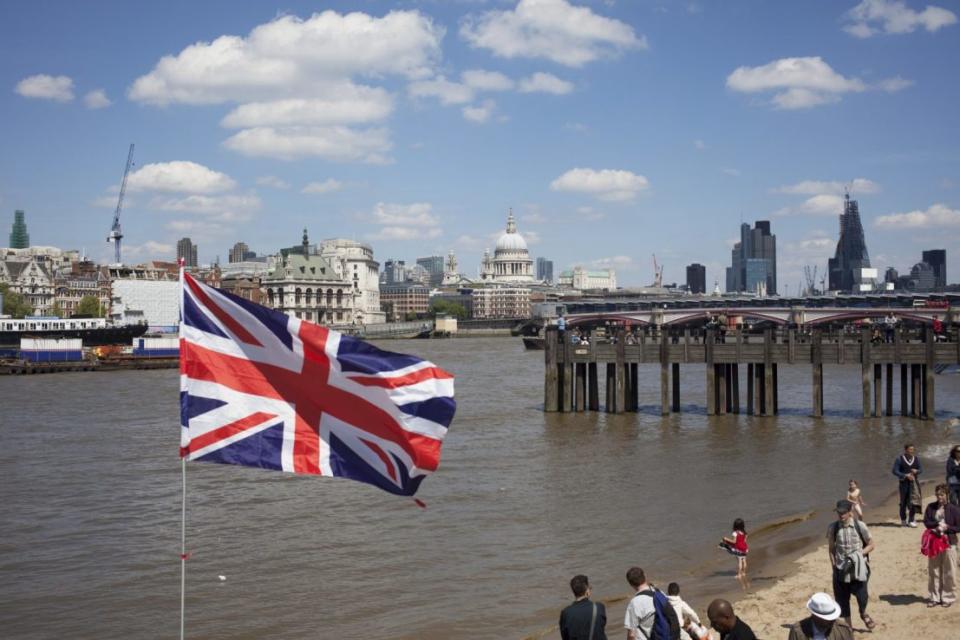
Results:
[641, 612]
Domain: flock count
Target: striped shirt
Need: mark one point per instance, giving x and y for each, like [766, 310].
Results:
[846, 539]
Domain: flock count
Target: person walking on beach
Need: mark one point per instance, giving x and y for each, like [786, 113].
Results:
[907, 467]
[641, 615]
[736, 545]
[823, 622]
[849, 546]
[726, 622]
[942, 518]
[584, 619]
[953, 475]
[854, 496]
[684, 611]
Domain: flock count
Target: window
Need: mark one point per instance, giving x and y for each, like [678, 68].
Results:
[339, 297]
[309, 296]
[329, 297]
[296, 296]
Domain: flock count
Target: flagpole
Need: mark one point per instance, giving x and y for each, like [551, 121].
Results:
[183, 544]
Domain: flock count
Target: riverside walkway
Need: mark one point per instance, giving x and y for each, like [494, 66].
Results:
[572, 371]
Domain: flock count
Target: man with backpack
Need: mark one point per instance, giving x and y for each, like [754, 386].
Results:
[850, 544]
[649, 616]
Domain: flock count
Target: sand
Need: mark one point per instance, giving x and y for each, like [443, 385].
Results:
[898, 588]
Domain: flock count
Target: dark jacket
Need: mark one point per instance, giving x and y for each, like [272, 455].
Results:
[575, 621]
[803, 630]
[901, 468]
[951, 515]
[953, 469]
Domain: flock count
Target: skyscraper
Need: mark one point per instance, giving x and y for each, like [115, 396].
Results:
[696, 278]
[19, 238]
[754, 260]
[545, 270]
[937, 258]
[241, 252]
[434, 266]
[187, 251]
[844, 269]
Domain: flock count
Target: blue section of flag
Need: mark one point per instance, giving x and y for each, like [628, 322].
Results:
[357, 356]
[193, 406]
[192, 317]
[439, 410]
[261, 449]
[275, 321]
[345, 462]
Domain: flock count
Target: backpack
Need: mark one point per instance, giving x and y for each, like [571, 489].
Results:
[835, 531]
[666, 625]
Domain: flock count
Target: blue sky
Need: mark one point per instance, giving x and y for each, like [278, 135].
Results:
[615, 130]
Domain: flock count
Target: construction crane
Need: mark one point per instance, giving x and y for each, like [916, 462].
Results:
[657, 273]
[810, 275]
[115, 234]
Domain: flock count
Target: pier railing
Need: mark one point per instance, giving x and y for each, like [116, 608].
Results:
[571, 379]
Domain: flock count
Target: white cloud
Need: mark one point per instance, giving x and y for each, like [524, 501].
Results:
[822, 204]
[486, 80]
[446, 91]
[605, 184]
[816, 187]
[273, 181]
[545, 83]
[327, 186]
[590, 214]
[405, 233]
[894, 84]
[44, 87]
[179, 176]
[730, 171]
[148, 250]
[552, 29]
[798, 82]
[222, 208]
[935, 217]
[699, 145]
[293, 81]
[479, 113]
[533, 218]
[96, 99]
[338, 144]
[618, 263]
[418, 214]
[891, 17]
[347, 103]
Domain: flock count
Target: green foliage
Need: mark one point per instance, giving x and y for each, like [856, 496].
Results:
[441, 307]
[89, 306]
[14, 304]
[56, 309]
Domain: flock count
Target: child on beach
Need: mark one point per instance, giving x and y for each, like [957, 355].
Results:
[854, 496]
[736, 545]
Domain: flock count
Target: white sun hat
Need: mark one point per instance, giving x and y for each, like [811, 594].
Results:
[823, 606]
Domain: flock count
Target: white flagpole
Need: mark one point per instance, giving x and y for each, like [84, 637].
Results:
[183, 544]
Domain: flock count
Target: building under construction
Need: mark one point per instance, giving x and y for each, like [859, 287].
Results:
[849, 268]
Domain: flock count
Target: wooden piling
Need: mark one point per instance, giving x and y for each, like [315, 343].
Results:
[611, 395]
[721, 389]
[735, 376]
[865, 370]
[889, 389]
[904, 406]
[761, 388]
[767, 372]
[916, 399]
[750, 380]
[816, 357]
[581, 386]
[550, 381]
[620, 387]
[929, 410]
[664, 374]
[593, 384]
[776, 389]
[634, 387]
[566, 378]
[675, 383]
[877, 390]
[708, 344]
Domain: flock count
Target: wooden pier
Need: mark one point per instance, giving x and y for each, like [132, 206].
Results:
[572, 371]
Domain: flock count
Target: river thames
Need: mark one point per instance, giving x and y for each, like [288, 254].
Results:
[523, 500]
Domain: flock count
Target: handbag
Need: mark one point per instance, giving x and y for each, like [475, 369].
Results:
[933, 544]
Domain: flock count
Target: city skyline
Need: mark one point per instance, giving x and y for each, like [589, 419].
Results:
[612, 140]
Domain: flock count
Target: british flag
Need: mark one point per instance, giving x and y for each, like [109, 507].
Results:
[261, 389]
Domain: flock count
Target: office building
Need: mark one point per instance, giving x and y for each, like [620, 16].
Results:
[434, 266]
[394, 272]
[19, 238]
[846, 268]
[241, 253]
[545, 270]
[937, 258]
[753, 267]
[187, 252]
[696, 278]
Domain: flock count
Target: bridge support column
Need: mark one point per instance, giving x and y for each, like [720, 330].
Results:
[735, 376]
[675, 383]
[593, 387]
[581, 375]
[889, 389]
[551, 373]
[750, 381]
[929, 410]
[877, 390]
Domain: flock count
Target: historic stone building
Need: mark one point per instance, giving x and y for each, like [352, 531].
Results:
[511, 262]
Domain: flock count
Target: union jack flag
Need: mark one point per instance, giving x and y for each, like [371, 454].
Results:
[261, 389]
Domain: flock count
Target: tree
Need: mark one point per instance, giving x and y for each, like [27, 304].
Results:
[56, 309]
[441, 307]
[14, 304]
[89, 306]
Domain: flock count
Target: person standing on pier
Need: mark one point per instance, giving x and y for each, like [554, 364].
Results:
[849, 545]
[907, 467]
[584, 619]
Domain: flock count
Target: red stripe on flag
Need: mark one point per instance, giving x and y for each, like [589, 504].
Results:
[383, 458]
[429, 373]
[228, 430]
[235, 327]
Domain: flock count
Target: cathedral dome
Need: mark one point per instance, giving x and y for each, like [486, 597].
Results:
[511, 240]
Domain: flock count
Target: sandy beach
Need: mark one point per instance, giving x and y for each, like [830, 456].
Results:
[898, 587]
[778, 592]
